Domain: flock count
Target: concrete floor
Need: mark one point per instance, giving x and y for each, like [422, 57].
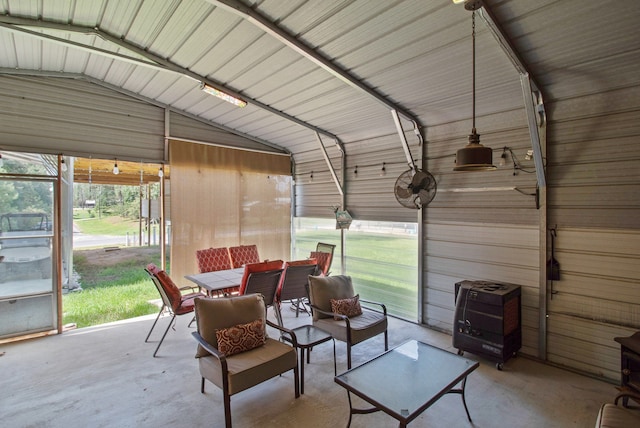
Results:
[105, 376]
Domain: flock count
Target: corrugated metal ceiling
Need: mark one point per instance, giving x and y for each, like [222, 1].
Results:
[415, 54]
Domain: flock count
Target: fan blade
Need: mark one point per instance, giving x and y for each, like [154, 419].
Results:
[403, 193]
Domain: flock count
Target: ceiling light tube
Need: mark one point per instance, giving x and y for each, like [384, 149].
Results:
[222, 95]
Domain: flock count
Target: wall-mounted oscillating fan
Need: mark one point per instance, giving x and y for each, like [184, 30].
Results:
[415, 188]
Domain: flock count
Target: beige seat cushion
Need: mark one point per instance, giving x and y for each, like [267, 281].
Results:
[249, 368]
[363, 326]
[612, 416]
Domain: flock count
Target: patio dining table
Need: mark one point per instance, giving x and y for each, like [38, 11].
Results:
[217, 281]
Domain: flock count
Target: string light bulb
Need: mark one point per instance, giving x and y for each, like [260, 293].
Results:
[383, 171]
[63, 165]
[1, 161]
[160, 172]
[116, 170]
[503, 157]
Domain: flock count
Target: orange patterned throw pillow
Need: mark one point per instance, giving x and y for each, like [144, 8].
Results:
[241, 337]
[349, 307]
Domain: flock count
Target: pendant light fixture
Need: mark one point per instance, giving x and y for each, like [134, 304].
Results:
[474, 156]
[116, 170]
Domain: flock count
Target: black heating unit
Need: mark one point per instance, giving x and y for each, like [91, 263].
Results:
[488, 320]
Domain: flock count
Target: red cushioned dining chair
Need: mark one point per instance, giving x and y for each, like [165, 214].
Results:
[293, 285]
[324, 255]
[216, 259]
[173, 301]
[244, 254]
[324, 261]
[259, 267]
[213, 259]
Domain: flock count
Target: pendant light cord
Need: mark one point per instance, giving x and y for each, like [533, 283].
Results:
[473, 41]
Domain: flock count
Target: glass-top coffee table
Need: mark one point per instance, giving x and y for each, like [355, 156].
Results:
[404, 381]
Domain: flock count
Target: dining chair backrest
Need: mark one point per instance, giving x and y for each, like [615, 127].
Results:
[171, 291]
[265, 283]
[295, 277]
[323, 247]
[324, 261]
[258, 267]
[152, 270]
[244, 254]
[213, 259]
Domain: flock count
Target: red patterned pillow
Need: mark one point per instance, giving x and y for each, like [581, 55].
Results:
[241, 337]
[349, 307]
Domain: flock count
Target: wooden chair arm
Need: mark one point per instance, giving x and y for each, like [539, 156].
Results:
[294, 340]
[192, 289]
[332, 314]
[627, 394]
[370, 302]
[283, 330]
[209, 348]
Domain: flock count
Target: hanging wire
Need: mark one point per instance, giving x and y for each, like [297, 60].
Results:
[473, 50]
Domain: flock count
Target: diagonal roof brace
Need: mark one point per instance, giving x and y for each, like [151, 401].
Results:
[297, 45]
[533, 100]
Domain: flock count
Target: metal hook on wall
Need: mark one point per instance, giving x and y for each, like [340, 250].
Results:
[553, 266]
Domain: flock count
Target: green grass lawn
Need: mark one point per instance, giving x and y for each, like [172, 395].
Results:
[106, 225]
[383, 268]
[111, 293]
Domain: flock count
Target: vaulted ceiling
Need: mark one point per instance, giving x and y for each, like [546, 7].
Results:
[329, 68]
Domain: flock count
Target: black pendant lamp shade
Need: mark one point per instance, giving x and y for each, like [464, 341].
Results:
[474, 156]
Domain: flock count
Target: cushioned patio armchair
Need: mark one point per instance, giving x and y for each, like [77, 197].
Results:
[336, 309]
[234, 352]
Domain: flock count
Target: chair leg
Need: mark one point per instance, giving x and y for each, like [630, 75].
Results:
[165, 333]
[227, 409]
[296, 380]
[155, 322]
[202, 386]
[386, 341]
[279, 320]
[192, 321]
[348, 356]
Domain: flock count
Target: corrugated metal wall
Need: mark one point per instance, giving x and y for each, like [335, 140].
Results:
[482, 225]
[594, 199]
[78, 118]
[369, 188]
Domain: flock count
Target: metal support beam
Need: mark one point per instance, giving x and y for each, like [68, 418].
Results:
[262, 22]
[403, 140]
[336, 180]
[531, 93]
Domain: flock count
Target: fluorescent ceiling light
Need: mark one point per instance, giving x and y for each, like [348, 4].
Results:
[222, 95]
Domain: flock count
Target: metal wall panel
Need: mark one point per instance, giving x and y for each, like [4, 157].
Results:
[597, 298]
[50, 115]
[594, 200]
[476, 251]
[74, 117]
[182, 127]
